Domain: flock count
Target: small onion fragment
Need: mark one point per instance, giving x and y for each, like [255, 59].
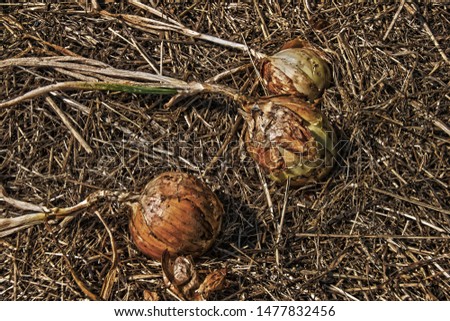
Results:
[180, 275]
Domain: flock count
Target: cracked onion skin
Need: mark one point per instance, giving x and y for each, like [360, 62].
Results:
[289, 139]
[178, 213]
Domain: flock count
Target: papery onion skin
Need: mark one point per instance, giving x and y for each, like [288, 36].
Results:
[289, 138]
[178, 213]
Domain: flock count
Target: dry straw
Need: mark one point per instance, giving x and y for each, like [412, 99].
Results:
[377, 229]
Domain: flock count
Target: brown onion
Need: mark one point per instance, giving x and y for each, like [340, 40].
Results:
[177, 213]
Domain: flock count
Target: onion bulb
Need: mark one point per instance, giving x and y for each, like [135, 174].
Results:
[178, 213]
[298, 69]
[289, 138]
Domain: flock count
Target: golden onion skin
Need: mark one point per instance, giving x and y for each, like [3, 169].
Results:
[298, 69]
[289, 138]
[178, 213]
